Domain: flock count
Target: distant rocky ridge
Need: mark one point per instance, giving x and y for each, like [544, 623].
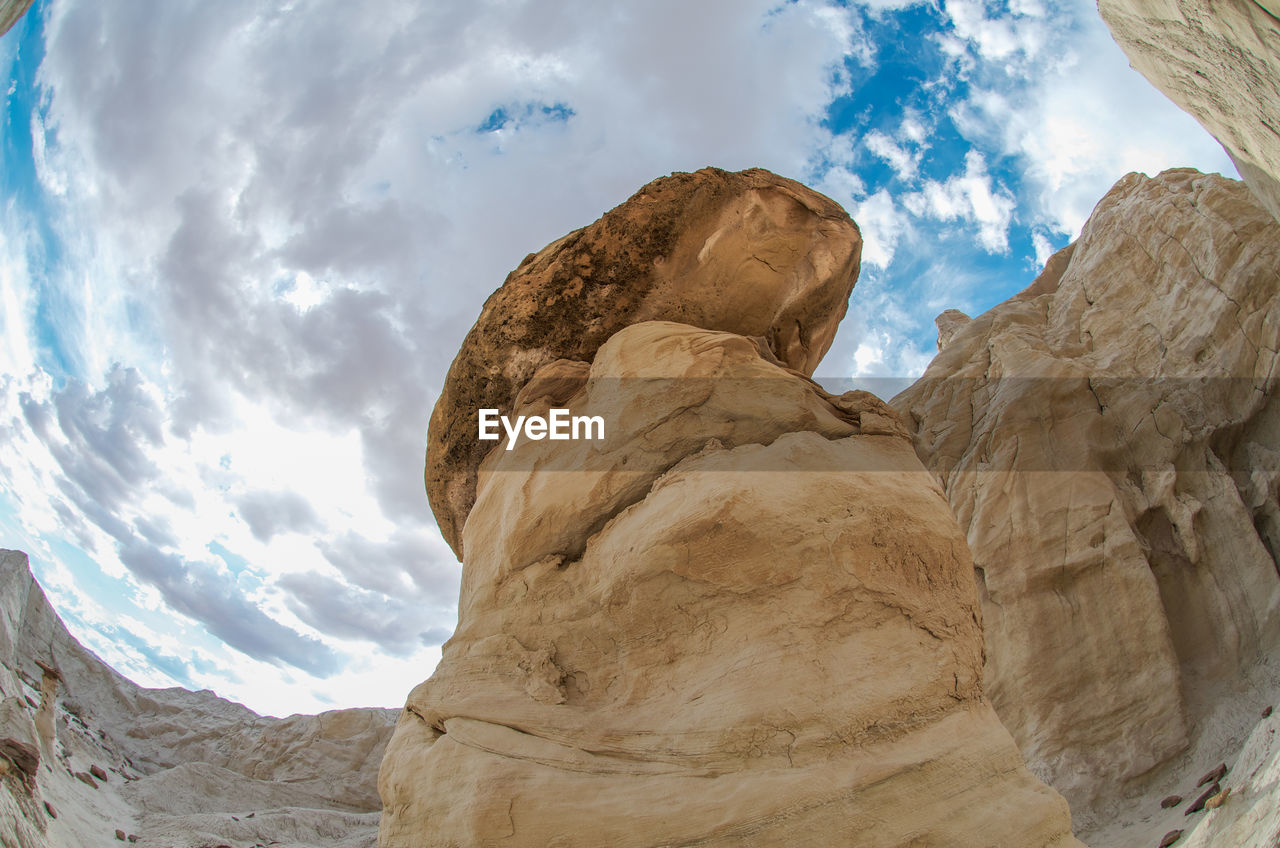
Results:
[168, 766]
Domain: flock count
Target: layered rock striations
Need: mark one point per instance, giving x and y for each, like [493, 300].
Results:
[745, 616]
[172, 767]
[1110, 444]
[1219, 61]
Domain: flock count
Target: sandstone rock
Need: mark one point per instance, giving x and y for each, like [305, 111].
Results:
[98, 772]
[50, 678]
[1213, 775]
[1253, 815]
[749, 253]
[1171, 801]
[11, 11]
[1109, 443]
[744, 620]
[1218, 800]
[949, 323]
[1198, 804]
[1170, 838]
[23, 755]
[1220, 61]
[199, 788]
[199, 757]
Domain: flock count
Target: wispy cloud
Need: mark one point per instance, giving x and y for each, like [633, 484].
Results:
[249, 237]
[280, 220]
[969, 197]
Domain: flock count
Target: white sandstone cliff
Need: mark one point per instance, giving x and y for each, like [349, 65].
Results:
[1219, 61]
[1110, 443]
[179, 768]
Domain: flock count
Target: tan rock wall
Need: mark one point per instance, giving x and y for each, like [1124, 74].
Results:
[1220, 61]
[746, 618]
[1109, 443]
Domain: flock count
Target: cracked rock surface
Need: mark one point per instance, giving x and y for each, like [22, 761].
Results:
[1220, 61]
[1110, 443]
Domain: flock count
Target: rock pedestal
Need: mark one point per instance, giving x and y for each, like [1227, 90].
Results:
[744, 617]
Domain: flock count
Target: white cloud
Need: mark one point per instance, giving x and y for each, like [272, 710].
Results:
[903, 162]
[882, 225]
[868, 355]
[969, 197]
[281, 222]
[1077, 115]
[912, 129]
[1003, 37]
[879, 6]
[16, 307]
[1043, 248]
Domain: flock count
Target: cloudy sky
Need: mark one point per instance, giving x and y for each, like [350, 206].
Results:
[241, 241]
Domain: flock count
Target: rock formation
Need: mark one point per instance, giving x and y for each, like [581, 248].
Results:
[1246, 809]
[751, 253]
[1110, 443]
[11, 11]
[173, 767]
[1220, 61]
[746, 615]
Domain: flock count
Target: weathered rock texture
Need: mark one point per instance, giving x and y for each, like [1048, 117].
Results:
[750, 253]
[11, 11]
[746, 617]
[1247, 813]
[1220, 61]
[1110, 443]
[182, 768]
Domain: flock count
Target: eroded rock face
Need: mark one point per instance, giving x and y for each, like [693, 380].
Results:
[1220, 61]
[750, 253]
[178, 767]
[1109, 442]
[11, 11]
[745, 617]
[949, 323]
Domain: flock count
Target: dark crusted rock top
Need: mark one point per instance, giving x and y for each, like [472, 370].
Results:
[749, 252]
